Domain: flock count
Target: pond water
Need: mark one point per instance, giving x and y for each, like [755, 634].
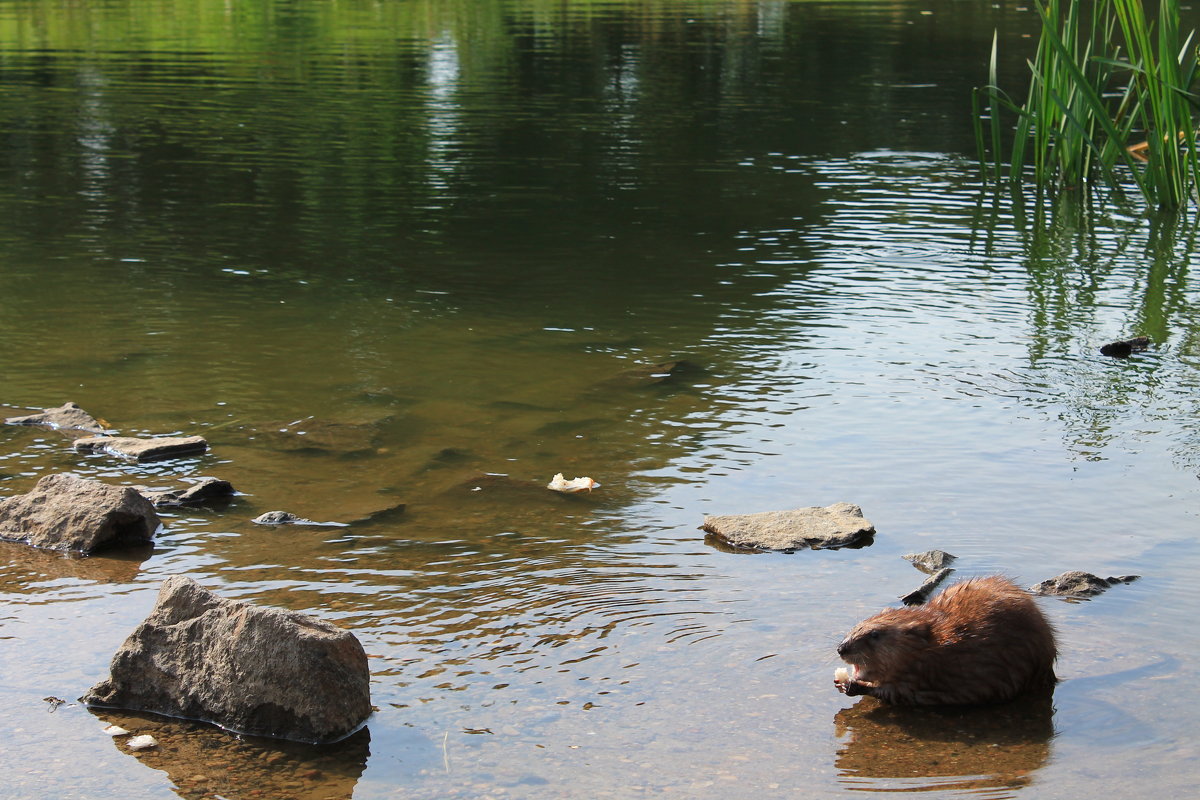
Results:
[432, 253]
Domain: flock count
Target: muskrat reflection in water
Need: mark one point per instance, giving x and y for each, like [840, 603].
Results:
[979, 641]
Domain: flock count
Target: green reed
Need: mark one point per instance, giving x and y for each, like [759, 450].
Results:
[1103, 78]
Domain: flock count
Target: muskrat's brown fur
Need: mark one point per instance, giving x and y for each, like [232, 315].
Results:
[979, 641]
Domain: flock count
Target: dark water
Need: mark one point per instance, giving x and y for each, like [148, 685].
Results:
[385, 253]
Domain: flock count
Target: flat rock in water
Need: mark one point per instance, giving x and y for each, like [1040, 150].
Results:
[66, 512]
[205, 490]
[143, 449]
[67, 416]
[1076, 583]
[253, 670]
[838, 525]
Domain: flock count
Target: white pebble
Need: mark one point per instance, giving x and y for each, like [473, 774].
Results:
[115, 730]
[142, 742]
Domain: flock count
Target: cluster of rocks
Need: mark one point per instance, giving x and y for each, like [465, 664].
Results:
[842, 525]
[252, 670]
[268, 672]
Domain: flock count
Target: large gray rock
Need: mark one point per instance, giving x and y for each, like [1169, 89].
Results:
[136, 449]
[259, 671]
[66, 512]
[838, 525]
[68, 415]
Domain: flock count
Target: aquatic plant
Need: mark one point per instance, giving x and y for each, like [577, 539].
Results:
[1103, 76]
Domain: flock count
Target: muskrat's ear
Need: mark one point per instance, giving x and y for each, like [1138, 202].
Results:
[919, 630]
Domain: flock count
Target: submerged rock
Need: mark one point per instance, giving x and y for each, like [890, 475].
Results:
[66, 512]
[208, 762]
[252, 670]
[649, 375]
[207, 489]
[382, 515]
[1076, 583]
[143, 449]
[327, 436]
[68, 416]
[1125, 347]
[835, 526]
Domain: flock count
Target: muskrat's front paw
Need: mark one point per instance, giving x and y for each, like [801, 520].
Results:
[848, 685]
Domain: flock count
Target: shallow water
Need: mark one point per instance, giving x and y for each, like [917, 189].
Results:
[384, 254]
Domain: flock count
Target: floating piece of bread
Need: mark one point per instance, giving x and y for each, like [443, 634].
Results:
[561, 484]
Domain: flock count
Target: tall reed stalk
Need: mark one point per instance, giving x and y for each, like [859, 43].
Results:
[1102, 72]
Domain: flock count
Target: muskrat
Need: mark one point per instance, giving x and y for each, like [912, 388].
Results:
[979, 641]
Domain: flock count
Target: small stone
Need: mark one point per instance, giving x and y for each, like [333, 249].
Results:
[286, 518]
[831, 527]
[205, 490]
[143, 742]
[930, 560]
[116, 730]
[141, 450]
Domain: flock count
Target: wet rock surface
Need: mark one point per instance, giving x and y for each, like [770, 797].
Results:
[204, 491]
[288, 518]
[931, 560]
[650, 376]
[66, 512]
[1076, 583]
[838, 525]
[68, 416]
[140, 450]
[252, 670]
